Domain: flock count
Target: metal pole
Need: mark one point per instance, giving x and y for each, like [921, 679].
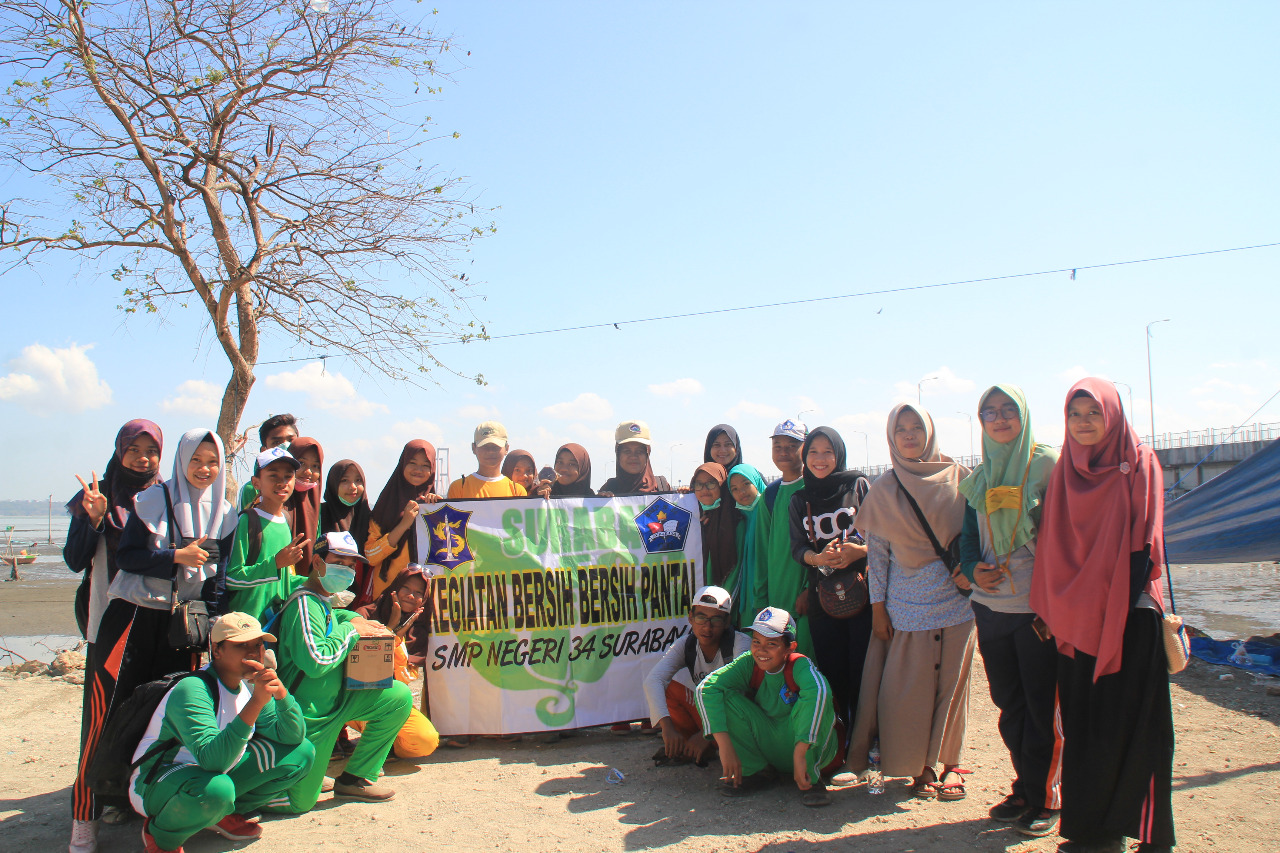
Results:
[970, 417]
[919, 394]
[1151, 394]
[866, 447]
[671, 460]
[50, 519]
[1130, 390]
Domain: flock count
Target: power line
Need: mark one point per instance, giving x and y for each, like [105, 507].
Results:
[617, 324]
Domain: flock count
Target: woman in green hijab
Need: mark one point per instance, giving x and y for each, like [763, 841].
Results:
[997, 551]
[746, 485]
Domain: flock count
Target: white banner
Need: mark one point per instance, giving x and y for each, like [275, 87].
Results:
[549, 613]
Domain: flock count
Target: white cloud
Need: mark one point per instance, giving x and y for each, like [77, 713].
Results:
[332, 392]
[44, 380]
[746, 408]
[940, 381]
[677, 388]
[194, 397]
[1072, 375]
[402, 432]
[478, 412]
[586, 406]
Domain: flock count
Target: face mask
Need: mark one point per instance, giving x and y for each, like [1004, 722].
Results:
[709, 507]
[337, 577]
[346, 502]
[300, 486]
[750, 506]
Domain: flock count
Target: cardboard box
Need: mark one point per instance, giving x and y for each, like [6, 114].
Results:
[371, 663]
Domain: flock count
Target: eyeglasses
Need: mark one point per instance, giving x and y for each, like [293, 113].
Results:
[704, 486]
[703, 619]
[1006, 412]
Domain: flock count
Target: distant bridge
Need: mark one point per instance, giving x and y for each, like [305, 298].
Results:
[1180, 452]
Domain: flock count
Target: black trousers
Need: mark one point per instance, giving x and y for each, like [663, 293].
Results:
[1022, 673]
[132, 648]
[1117, 750]
[840, 651]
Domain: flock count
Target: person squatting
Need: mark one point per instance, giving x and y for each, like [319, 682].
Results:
[832, 642]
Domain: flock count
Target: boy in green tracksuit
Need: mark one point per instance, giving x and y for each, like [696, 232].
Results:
[314, 642]
[781, 578]
[229, 756]
[770, 710]
[254, 581]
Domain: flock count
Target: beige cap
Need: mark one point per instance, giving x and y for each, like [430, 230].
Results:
[490, 432]
[238, 628]
[632, 431]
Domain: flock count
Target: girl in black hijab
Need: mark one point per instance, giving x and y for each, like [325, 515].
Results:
[822, 537]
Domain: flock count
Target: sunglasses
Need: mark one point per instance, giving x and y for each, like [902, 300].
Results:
[704, 486]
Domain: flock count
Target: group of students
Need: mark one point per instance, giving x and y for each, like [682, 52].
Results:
[1049, 565]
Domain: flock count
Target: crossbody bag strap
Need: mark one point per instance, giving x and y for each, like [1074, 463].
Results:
[1168, 574]
[924, 522]
[170, 524]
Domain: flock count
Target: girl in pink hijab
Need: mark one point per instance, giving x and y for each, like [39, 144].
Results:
[1096, 586]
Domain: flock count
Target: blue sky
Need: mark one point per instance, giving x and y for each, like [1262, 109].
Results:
[669, 158]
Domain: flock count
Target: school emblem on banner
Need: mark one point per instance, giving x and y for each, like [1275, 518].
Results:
[663, 526]
[447, 537]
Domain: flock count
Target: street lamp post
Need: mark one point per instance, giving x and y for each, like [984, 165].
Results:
[970, 417]
[1151, 394]
[866, 447]
[1130, 389]
[919, 393]
[800, 417]
[671, 460]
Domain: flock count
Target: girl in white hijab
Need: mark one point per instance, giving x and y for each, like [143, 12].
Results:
[204, 521]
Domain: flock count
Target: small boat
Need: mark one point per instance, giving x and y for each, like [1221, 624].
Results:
[17, 559]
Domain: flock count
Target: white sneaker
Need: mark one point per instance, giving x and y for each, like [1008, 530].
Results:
[84, 837]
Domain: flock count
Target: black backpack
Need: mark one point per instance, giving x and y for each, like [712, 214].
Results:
[691, 648]
[113, 764]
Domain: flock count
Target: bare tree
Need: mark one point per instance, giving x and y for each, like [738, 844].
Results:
[251, 156]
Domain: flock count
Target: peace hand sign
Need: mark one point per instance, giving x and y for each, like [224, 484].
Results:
[94, 502]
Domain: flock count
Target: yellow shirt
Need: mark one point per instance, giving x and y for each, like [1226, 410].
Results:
[474, 486]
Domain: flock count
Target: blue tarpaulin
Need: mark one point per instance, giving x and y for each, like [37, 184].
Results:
[1233, 518]
[1262, 657]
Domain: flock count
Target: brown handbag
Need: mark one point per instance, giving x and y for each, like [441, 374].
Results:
[842, 593]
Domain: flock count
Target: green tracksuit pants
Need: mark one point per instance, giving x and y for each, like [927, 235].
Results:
[384, 711]
[762, 741]
[185, 799]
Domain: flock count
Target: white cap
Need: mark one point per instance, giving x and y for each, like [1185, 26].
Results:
[791, 429]
[717, 598]
[275, 454]
[629, 432]
[342, 543]
[773, 622]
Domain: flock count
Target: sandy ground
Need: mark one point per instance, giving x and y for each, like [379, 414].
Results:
[555, 796]
[37, 606]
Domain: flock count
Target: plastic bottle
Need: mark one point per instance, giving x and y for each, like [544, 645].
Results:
[875, 779]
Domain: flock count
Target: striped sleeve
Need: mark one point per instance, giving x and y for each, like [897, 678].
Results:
[732, 677]
[814, 715]
[322, 647]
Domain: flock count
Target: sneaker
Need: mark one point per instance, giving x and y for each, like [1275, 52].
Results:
[362, 790]
[149, 843]
[1009, 809]
[1038, 822]
[84, 837]
[234, 827]
[620, 729]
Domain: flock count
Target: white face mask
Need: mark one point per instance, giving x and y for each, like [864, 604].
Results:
[337, 577]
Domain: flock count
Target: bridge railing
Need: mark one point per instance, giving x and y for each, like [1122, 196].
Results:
[1210, 436]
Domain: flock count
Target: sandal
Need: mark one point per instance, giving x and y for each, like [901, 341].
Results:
[457, 742]
[950, 791]
[815, 796]
[923, 787]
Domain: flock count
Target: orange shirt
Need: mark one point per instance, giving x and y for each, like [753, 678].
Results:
[474, 486]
